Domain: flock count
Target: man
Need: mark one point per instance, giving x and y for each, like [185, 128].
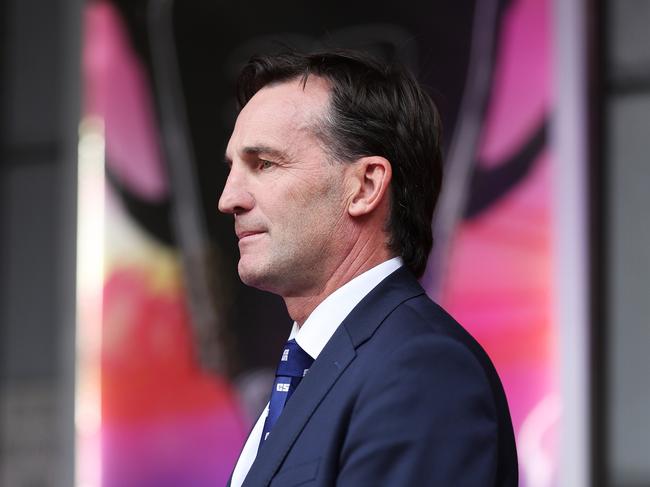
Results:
[334, 174]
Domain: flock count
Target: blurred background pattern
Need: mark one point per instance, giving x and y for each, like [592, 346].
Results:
[130, 353]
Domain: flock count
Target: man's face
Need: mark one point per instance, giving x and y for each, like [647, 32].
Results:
[287, 198]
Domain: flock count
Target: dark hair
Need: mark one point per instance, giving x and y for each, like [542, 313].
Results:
[375, 110]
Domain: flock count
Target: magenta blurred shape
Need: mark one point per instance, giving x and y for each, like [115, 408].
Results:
[117, 90]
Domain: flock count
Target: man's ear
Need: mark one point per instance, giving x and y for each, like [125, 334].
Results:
[371, 178]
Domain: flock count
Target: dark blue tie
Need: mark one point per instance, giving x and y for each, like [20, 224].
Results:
[293, 366]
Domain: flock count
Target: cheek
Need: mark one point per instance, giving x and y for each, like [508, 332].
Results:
[302, 194]
[305, 207]
[322, 193]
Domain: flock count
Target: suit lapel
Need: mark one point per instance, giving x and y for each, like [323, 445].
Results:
[339, 352]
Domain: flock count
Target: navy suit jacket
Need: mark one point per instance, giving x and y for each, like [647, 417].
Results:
[401, 395]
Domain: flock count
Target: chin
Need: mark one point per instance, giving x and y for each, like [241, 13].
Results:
[249, 278]
[263, 279]
[252, 276]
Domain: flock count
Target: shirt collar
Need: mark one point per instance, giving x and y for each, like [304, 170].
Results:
[329, 314]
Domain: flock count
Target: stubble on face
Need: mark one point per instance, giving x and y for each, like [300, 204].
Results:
[298, 253]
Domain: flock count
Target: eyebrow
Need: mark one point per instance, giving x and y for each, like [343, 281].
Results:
[257, 150]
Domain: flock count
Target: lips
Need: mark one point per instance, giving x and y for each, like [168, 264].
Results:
[247, 233]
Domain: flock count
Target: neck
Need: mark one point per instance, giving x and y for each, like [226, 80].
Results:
[355, 263]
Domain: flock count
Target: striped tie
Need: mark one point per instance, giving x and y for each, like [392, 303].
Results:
[293, 366]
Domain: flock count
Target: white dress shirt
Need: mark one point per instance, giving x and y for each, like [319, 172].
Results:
[312, 337]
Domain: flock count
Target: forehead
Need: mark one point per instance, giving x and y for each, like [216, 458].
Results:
[280, 112]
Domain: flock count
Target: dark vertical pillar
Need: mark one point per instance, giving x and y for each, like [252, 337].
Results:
[627, 157]
[39, 109]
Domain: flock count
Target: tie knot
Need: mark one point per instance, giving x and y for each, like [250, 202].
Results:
[294, 362]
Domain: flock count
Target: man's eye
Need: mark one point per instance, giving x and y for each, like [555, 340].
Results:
[265, 164]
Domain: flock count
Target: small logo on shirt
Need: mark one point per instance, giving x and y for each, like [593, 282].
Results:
[282, 387]
[285, 355]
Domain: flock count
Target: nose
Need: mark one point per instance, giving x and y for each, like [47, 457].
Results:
[235, 197]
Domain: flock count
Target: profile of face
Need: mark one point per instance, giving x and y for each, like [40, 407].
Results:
[287, 197]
